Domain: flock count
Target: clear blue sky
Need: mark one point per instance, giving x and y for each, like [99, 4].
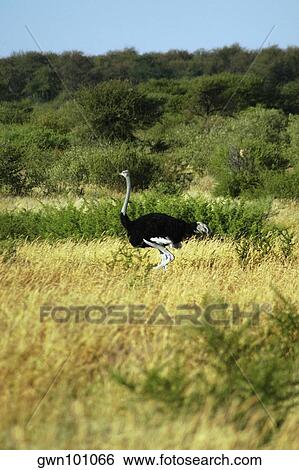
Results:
[96, 26]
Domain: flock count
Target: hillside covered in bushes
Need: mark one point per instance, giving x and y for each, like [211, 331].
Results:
[70, 122]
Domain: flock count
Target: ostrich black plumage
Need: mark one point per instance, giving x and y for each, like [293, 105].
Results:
[158, 230]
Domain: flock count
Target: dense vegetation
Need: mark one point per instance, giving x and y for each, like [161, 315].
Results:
[42, 77]
[69, 121]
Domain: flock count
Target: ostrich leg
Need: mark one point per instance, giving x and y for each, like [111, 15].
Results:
[166, 256]
[163, 262]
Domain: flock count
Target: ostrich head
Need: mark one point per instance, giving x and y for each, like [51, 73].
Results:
[125, 173]
[202, 229]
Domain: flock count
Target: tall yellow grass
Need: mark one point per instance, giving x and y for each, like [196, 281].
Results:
[57, 390]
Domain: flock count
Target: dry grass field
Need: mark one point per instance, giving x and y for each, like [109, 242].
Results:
[80, 384]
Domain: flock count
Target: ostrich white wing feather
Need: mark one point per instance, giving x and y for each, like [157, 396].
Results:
[161, 240]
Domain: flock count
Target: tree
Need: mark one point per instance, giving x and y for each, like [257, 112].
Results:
[12, 80]
[116, 109]
[115, 65]
[44, 85]
[224, 93]
[75, 69]
[209, 94]
[290, 97]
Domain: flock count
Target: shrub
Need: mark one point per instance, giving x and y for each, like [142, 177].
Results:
[249, 146]
[292, 151]
[34, 151]
[223, 93]
[169, 92]
[116, 109]
[209, 94]
[281, 184]
[14, 112]
[27, 135]
[60, 119]
[289, 97]
[11, 169]
[102, 164]
[44, 139]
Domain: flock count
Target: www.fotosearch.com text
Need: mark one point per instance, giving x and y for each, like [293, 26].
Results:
[222, 314]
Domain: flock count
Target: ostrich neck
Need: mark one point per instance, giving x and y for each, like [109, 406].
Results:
[126, 201]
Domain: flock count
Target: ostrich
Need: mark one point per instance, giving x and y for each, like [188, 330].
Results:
[158, 230]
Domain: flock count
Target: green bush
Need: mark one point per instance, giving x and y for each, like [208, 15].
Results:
[223, 93]
[11, 169]
[115, 110]
[12, 112]
[35, 150]
[60, 117]
[44, 139]
[280, 184]
[247, 147]
[184, 149]
[101, 165]
[209, 94]
[289, 97]
[28, 135]
[292, 151]
[169, 92]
